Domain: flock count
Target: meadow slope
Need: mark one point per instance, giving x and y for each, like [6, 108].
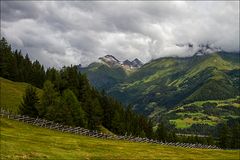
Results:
[11, 94]
[23, 141]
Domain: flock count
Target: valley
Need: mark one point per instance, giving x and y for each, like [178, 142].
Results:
[159, 88]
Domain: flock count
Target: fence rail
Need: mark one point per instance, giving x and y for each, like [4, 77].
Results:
[82, 131]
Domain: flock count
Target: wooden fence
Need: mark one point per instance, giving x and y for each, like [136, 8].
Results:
[82, 131]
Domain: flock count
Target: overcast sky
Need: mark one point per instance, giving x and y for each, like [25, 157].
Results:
[63, 33]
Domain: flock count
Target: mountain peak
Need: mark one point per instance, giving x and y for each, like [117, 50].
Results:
[109, 58]
[127, 62]
[112, 61]
[137, 63]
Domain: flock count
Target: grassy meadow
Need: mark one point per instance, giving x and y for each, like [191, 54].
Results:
[23, 141]
[11, 94]
[195, 113]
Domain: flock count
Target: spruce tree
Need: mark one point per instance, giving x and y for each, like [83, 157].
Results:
[235, 136]
[49, 99]
[74, 115]
[30, 102]
[224, 137]
[161, 132]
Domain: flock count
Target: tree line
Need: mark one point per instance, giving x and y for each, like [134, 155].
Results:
[16, 67]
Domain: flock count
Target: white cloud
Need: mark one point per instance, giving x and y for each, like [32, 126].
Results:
[61, 33]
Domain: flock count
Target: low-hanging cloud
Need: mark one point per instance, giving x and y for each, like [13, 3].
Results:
[61, 33]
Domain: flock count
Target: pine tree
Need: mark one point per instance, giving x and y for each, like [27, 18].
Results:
[38, 74]
[73, 110]
[224, 137]
[5, 58]
[235, 136]
[161, 132]
[30, 102]
[94, 113]
[210, 140]
[117, 124]
[49, 99]
[108, 110]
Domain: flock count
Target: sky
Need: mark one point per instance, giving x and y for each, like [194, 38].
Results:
[59, 33]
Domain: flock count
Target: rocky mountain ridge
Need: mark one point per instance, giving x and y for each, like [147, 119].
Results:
[112, 61]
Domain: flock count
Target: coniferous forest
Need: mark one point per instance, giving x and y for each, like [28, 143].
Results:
[68, 98]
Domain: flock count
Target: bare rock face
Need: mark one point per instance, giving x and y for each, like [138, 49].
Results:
[110, 60]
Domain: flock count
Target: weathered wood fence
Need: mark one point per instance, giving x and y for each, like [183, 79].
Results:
[82, 131]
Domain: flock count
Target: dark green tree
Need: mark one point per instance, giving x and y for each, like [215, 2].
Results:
[161, 132]
[224, 137]
[72, 109]
[235, 136]
[94, 113]
[210, 140]
[49, 99]
[30, 102]
[117, 123]
[6, 58]
[38, 74]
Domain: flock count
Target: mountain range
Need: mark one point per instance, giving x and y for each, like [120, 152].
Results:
[160, 87]
[112, 61]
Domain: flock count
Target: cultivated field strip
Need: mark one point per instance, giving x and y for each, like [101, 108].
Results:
[82, 131]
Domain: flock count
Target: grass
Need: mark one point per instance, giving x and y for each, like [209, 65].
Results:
[231, 101]
[188, 122]
[214, 60]
[23, 141]
[187, 118]
[182, 123]
[157, 75]
[104, 130]
[194, 118]
[11, 94]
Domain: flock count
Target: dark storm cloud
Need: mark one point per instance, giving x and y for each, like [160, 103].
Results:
[15, 11]
[63, 33]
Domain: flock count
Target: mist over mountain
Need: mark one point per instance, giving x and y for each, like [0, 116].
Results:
[190, 49]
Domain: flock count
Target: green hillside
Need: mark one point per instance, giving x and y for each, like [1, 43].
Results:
[166, 83]
[11, 94]
[209, 112]
[103, 76]
[23, 141]
[171, 81]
